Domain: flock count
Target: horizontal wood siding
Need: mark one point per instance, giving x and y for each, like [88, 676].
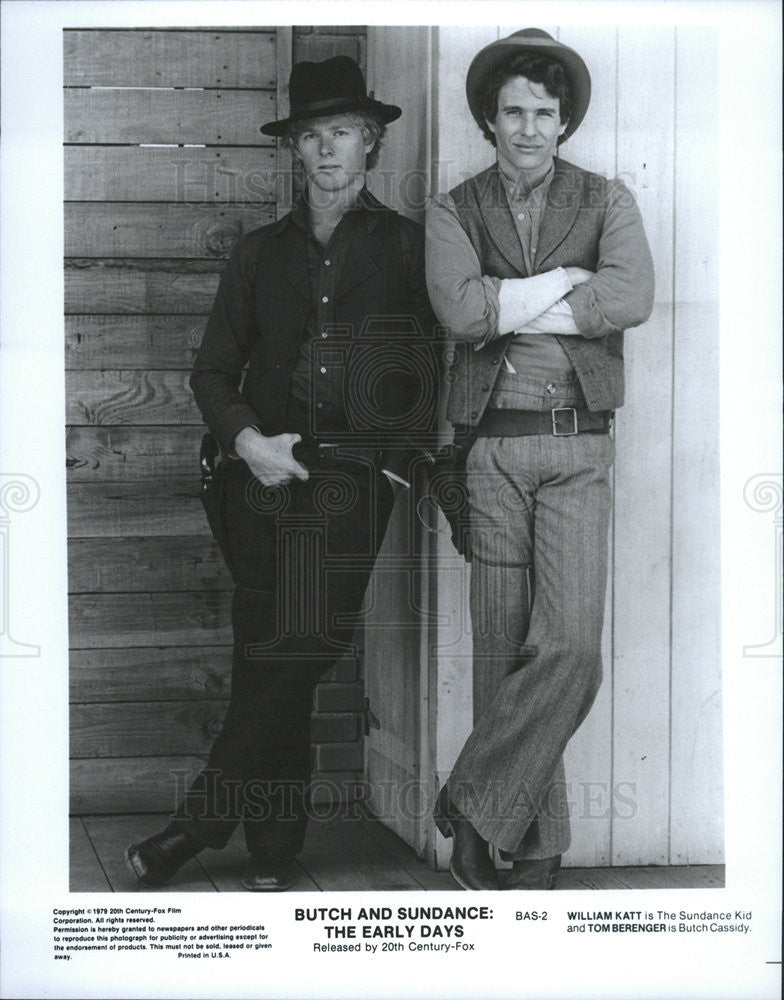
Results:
[210, 59]
[117, 229]
[130, 397]
[130, 565]
[165, 169]
[96, 342]
[169, 174]
[148, 507]
[123, 453]
[129, 674]
[216, 118]
[156, 618]
[140, 286]
[150, 784]
[143, 729]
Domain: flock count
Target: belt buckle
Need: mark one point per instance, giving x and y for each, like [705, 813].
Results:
[564, 409]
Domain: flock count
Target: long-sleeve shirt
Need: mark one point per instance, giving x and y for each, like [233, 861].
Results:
[480, 308]
[260, 317]
[588, 222]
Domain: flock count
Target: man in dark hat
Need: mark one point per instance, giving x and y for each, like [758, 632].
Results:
[328, 308]
[537, 267]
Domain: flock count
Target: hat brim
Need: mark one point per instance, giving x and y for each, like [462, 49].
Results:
[385, 112]
[489, 58]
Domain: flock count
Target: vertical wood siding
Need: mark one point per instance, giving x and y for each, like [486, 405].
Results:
[165, 168]
[645, 768]
[395, 639]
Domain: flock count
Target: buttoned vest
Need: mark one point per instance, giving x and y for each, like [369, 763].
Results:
[569, 236]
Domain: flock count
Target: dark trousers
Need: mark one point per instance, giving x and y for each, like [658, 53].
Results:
[301, 556]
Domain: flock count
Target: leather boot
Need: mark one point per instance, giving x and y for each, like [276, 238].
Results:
[470, 865]
[153, 861]
[534, 873]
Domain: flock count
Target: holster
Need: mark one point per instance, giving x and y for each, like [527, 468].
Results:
[448, 486]
[213, 468]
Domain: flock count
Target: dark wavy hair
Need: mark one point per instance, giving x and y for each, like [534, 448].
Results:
[536, 68]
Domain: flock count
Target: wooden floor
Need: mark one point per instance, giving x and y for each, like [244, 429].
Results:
[340, 854]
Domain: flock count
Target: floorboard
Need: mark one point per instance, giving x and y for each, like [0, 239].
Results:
[408, 861]
[224, 868]
[342, 855]
[347, 852]
[111, 835]
[670, 876]
[589, 878]
[86, 873]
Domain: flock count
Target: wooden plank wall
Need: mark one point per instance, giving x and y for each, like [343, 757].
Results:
[645, 768]
[165, 168]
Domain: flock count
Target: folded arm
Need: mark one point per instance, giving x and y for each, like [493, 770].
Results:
[565, 301]
[620, 294]
[475, 307]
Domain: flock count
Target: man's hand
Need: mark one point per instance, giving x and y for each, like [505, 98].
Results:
[578, 275]
[270, 458]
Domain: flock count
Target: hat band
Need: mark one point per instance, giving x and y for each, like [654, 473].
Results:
[332, 102]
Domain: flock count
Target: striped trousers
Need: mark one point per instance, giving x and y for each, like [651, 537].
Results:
[543, 503]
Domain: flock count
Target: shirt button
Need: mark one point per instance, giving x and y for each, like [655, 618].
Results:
[325, 298]
[319, 406]
[521, 216]
[496, 360]
[324, 336]
[327, 263]
[551, 388]
[323, 371]
[485, 387]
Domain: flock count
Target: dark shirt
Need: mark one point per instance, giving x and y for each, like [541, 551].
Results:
[317, 382]
[268, 310]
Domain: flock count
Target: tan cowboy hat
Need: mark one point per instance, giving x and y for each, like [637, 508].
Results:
[535, 41]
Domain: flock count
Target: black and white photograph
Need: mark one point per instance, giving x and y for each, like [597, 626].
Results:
[391, 500]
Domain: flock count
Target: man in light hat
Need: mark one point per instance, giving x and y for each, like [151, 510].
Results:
[537, 267]
[328, 308]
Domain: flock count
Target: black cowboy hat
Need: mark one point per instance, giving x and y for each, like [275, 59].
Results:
[535, 41]
[331, 87]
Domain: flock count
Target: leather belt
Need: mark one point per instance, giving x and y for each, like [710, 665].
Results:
[563, 421]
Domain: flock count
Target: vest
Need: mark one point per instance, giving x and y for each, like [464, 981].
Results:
[569, 236]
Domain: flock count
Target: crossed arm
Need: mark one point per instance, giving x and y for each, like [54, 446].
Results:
[568, 301]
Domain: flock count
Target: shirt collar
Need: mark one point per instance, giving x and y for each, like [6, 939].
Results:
[515, 187]
[365, 206]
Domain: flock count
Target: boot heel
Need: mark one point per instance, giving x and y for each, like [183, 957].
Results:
[444, 827]
[441, 815]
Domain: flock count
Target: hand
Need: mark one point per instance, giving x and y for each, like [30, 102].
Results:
[270, 458]
[577, 275]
